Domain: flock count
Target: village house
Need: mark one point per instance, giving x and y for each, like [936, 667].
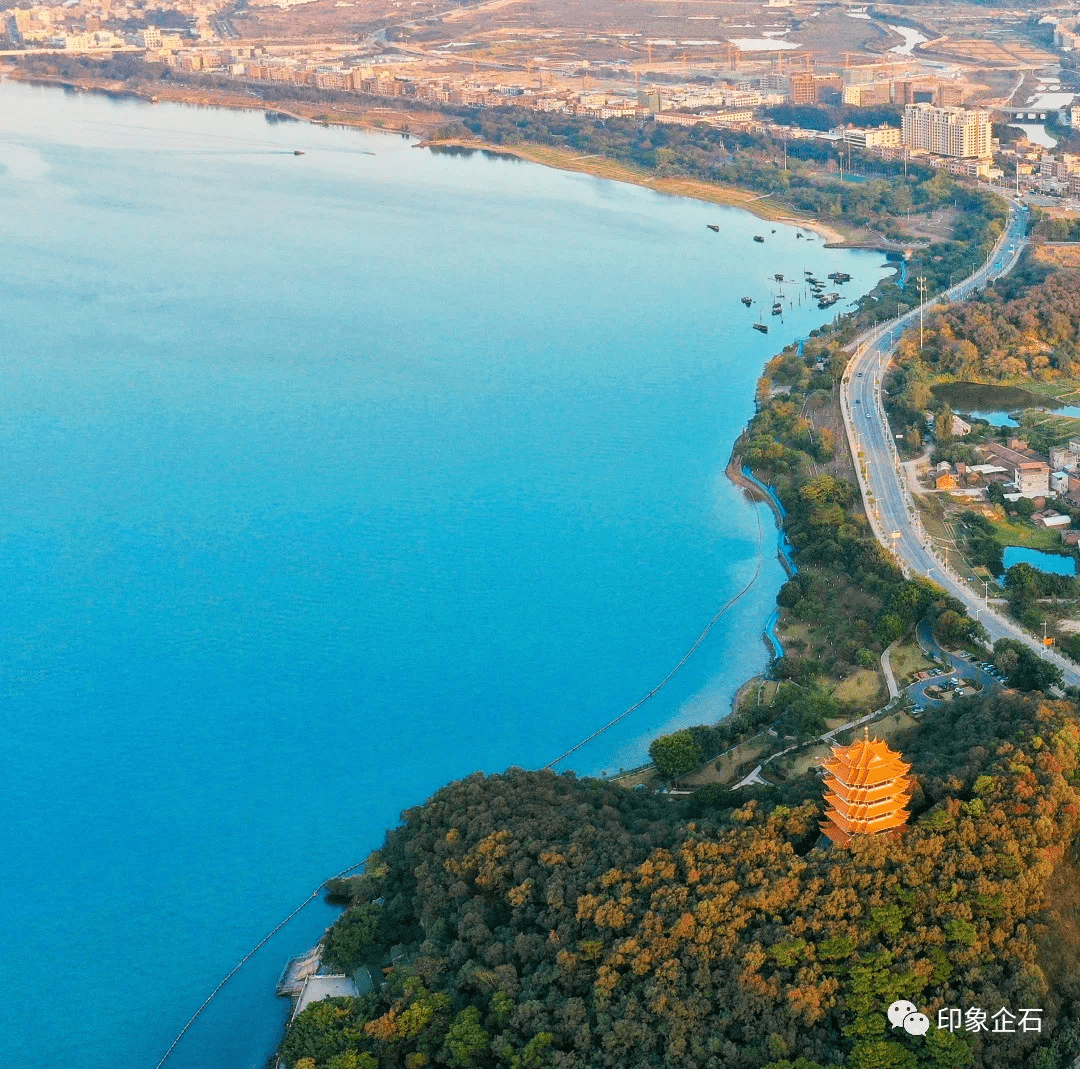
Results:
[1064, 459]
[991, 473]
[1030, 472]
[944, 477]
[1032, 477]
[1050, 520]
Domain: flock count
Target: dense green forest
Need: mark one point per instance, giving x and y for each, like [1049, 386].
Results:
[1050, 228]
[558, 922]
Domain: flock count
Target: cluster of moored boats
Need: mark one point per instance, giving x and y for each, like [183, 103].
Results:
[817, 287]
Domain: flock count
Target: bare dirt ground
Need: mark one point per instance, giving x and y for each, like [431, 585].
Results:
[322, 19]
[981, 52]
[834, 33]
[937, 227]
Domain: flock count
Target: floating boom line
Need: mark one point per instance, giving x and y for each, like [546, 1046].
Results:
[637, 705]
[686, 657]
[247, 957]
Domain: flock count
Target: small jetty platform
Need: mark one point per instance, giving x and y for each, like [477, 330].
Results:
[305, 980]
[297, 972]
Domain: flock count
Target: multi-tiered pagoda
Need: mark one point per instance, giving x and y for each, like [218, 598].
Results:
[866, 790]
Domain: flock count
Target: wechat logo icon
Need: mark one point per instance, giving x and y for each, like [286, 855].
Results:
[906, 1015]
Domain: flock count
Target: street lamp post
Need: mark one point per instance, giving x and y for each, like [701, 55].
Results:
[921, 285]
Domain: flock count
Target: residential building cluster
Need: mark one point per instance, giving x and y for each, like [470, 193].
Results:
[727, 105]
[1056, 173]
[103, 25]
[1022, 473]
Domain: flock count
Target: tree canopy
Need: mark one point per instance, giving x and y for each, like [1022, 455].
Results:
[559, 922]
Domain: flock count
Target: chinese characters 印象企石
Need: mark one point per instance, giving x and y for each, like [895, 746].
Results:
[1003, 1021]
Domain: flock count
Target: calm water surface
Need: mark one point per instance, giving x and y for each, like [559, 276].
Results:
[997, 404]
[326, 480]
[1057, 563]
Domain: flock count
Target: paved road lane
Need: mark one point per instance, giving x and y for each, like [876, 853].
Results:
[893, 515]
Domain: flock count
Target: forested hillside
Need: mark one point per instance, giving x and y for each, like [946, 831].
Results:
[1002, 335]
[571, 923]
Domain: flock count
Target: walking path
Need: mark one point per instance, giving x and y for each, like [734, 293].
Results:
[886, 667]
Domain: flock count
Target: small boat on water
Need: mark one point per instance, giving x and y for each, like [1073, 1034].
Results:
[840, 276]
[747, 301]
[761, 326]
[779, 278]
[713, 227]
[758, 237]
[297, 152]
[777, 308]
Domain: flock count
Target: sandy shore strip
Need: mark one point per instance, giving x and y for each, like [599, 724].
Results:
[692, 188]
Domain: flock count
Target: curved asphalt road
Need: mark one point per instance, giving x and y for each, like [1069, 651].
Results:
[963, 667]
[889, 506]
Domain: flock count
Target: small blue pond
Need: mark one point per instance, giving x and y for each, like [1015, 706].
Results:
[997, 419]
[1045, 562]
[1003, 419]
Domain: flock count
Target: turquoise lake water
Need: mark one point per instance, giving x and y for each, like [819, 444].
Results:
[1057, 563]
[326, 480]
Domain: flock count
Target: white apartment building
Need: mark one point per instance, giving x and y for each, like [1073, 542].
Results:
[947, 131]
[873, 137]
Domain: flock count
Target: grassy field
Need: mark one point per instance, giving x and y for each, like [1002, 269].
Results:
[862, 687]
[724, 769]
[1009, 533]
[804, 760]
[907, 659]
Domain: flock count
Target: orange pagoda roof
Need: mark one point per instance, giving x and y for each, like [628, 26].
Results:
[866, 790]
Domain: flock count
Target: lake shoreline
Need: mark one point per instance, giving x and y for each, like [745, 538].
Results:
[690, 188]
[743, 654]
[560, 159]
